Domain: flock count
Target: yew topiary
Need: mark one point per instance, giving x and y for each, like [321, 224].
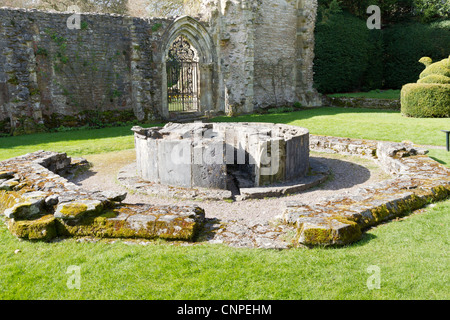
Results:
[430, 96]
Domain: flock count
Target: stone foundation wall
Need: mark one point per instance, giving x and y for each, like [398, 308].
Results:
[39, 204]
[340, 220]
[349, 102]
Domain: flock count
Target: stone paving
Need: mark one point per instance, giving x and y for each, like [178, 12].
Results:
[340, 220]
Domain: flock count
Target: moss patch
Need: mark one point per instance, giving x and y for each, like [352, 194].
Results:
[43, 228]
[73, 209]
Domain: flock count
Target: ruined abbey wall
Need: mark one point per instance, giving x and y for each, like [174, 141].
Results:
[265, 50]
[50, 74]
[253, 54]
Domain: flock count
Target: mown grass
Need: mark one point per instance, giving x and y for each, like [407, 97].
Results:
[75, 143]
[358, 123]
[339, 122]
[412, 253]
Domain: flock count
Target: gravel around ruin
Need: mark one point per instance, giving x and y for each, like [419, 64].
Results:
[248, 223]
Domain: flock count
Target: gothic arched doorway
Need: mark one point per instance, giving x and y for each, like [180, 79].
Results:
[188, 66]
[183, 77]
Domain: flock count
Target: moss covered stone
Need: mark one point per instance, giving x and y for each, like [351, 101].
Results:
[327, 231]
[43, 228]
[6, 174]
[29, 209]
[78, 209]
[124, 222]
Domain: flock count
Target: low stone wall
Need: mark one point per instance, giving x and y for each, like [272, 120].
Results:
[39, 204]
[354, 102]
[340, 220]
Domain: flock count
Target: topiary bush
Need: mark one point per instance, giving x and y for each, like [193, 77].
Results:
[425, 100]
[441, 68]
[435, 78]
[430, 96]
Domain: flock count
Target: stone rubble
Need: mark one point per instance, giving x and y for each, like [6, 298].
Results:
[339, 220]
[42, 205]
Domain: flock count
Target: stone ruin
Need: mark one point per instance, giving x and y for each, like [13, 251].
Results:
[218, 161]
[40, 204]
[249, 54]
[222, 155]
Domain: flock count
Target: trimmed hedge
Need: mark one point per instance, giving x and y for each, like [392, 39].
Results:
[435, 78]
[438, 68]
[348, 56]
[406, 43]
[426, 100]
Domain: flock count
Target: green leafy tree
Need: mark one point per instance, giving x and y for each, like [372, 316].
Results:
[429, 10]
[393, 11]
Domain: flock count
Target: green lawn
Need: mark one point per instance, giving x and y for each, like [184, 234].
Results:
[362, 124]
[374, 94]
[340, 122]
[412, 253]
[75, 143]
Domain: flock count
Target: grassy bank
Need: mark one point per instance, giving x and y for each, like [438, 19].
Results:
[374, 94]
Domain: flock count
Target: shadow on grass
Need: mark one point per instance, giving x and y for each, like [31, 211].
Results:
[114, 132]
[366, 238]
[443, 162]
[69, 136]
[303, 114]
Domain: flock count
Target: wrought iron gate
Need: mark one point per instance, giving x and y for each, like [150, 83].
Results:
[182, 77]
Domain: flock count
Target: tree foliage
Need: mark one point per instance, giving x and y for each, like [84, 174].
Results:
[349, 56]
[395, 10]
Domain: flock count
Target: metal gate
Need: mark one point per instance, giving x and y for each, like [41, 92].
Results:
[182, 77]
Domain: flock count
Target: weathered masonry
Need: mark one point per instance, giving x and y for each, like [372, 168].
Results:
[223, 56]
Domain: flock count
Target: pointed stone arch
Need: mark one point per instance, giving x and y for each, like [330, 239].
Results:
[197, 35]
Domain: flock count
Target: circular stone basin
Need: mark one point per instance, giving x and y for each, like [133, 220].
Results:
[221, 155]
